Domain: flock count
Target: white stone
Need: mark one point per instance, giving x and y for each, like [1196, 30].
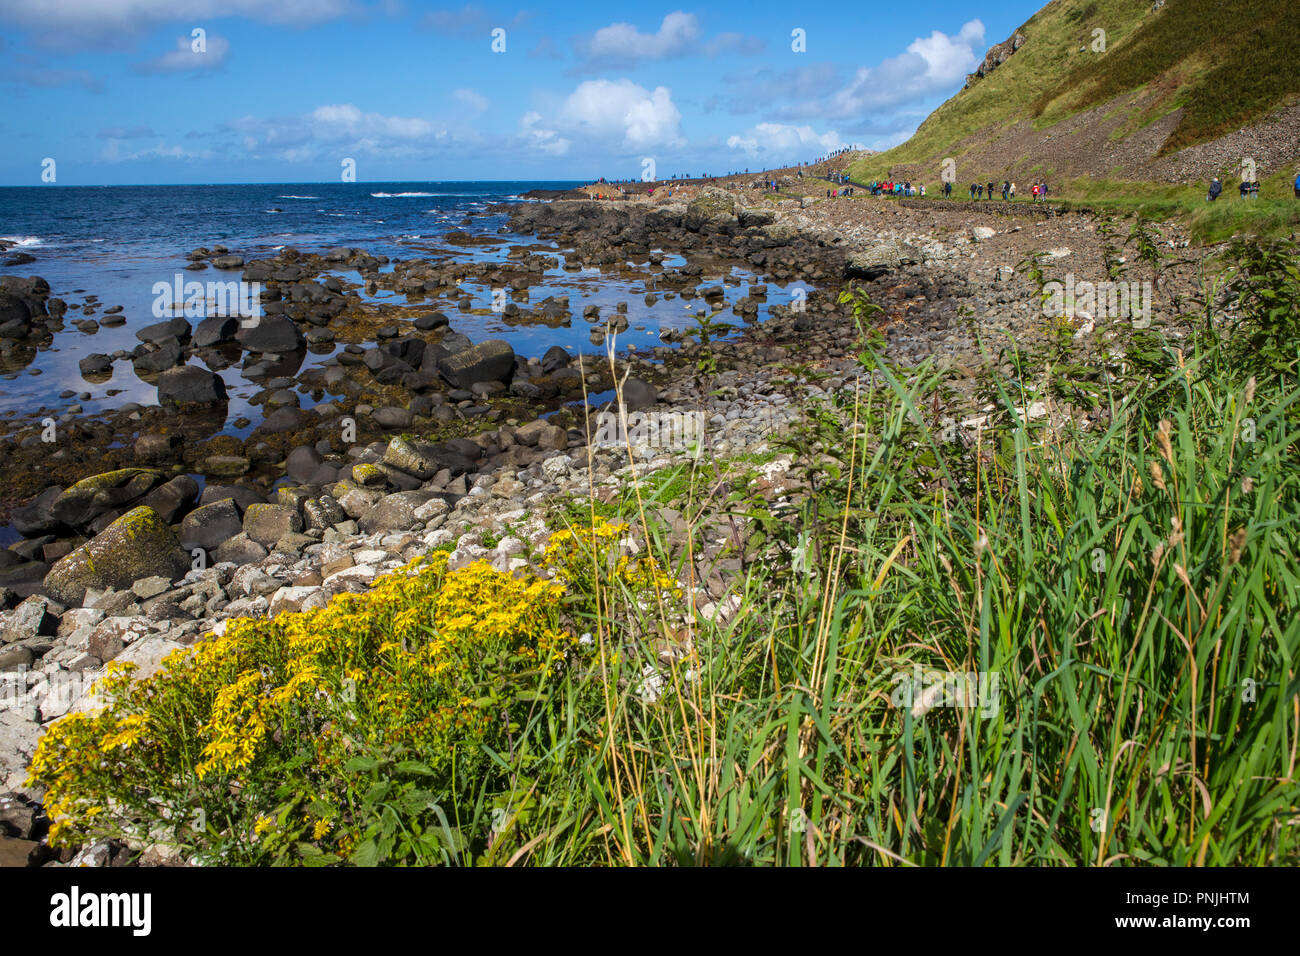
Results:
[290, 599]
[362, 573]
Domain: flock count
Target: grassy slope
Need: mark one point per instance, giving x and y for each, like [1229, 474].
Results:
[1048, 57]
[1185, 54]
[1224, 76]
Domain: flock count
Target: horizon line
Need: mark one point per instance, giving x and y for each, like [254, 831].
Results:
[299, 182]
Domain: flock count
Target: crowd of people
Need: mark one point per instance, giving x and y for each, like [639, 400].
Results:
[1246, 189]
[891, 188]
[1008, 190]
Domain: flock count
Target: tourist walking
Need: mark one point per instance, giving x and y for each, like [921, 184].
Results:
[1216, 187]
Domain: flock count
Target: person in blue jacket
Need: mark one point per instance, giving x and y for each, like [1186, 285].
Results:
[1297, 186]
[1216, 187]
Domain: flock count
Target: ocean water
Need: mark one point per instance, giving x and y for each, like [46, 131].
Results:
[116, 242]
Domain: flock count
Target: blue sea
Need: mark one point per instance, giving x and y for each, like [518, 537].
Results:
[116, 242]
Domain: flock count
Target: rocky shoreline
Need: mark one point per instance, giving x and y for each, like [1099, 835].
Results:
[430, 440]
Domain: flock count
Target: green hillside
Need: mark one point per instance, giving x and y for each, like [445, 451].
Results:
[1225, 64]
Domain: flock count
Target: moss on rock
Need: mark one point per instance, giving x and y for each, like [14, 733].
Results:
[91, 497]
[137, 545]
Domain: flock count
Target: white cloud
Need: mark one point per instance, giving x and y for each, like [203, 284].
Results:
[613, 110]
[931, 65]
[676, 34]
[346, 121]
[540, 138]
[623, 45]
[78, 23]
[471, 99]
[337, 130]
[114, 153]
[616, 115]
[184, 59]
[779, 138]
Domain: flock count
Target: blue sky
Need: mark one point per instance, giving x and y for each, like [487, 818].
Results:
[126, 91]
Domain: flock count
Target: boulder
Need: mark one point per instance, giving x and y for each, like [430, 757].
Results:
[273, 333]
[160, 332]
[392, 417]
[266, 524]
[712, 206]
[95, 364]
[214, 330]
[209, 526]
[190, 385]
[241, 549]
[554, 359]
[542, 433]
[323, 512]
[242, 495]
[137, 545]
[37, 517]
[167, 355]
[98, 494]
[395, 512]
[419, 462]
[757, 216]
[454, 342]
[638, 394]
[302, 463]
[18, 736]
[357, 501]
[173, 498]
[37, 616]
[226, 466]
[156, 446]
[880, 259]
[490, 361]
[430, 321]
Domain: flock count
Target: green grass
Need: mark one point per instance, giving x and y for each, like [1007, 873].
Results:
[1275, 214]
[1141, 631]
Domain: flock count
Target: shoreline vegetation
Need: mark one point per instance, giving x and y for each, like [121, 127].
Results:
[956, 581]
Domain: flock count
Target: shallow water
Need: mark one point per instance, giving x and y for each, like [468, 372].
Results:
[116, 242]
